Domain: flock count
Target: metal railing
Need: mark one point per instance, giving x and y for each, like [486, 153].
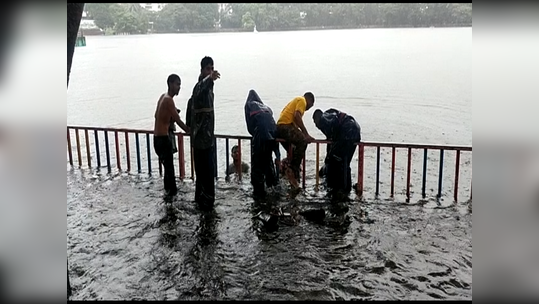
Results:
[133, 139]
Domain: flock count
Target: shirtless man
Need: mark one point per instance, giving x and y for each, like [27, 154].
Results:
[164, 113]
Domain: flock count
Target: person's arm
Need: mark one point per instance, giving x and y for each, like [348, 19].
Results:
[173, 111]
[202, 86]
[205, 83]
[299, 122]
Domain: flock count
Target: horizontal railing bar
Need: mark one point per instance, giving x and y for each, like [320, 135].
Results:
[366, 144]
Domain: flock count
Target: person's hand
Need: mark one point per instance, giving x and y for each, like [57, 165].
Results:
[215, 75]
[187, 130]
[309, 138]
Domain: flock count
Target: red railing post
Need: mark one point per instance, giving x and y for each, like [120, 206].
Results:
[360, 165]
[88, 156]
[392, 171]
[303, 173]
[317, 164]
[408, 175]
[127, 156]
[240, 169]
[117, 144]
[79, 157]
[457, 165]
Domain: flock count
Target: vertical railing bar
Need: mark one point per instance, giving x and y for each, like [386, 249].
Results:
[303, 173]
[424, 185]
[317, 164]
[107, 150]
[441, 173]
[127, 155]
[239, 156]
[117, 144]
[98, 154]
[377, 170]
[77, 138]
[408, 175]
[227, 156]
[137, 141]
[457, 168]
[149, 153]
[360, 166]
[69, 148]
[216, 159]
[88, 155]
[392, 171]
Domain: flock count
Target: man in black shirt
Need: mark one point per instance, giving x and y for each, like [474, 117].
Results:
[201, 120]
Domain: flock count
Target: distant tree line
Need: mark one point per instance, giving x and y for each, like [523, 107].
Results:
[199, 17]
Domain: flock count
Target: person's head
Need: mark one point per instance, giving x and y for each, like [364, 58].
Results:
[235, 153]
[309, 97]
[206, 66]
[174, 83]
[316, 117]
[285, 163]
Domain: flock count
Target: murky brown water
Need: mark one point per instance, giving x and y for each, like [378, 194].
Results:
[125, 241]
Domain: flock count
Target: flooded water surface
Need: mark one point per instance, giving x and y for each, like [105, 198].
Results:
[125, 241]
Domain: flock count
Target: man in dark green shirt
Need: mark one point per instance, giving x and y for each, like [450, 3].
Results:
[201, 119]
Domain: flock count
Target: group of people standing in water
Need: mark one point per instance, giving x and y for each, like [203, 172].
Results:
[339, 127]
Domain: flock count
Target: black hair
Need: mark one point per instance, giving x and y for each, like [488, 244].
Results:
[171, 78]
[309, 95]
[207, 60]
[316, 113]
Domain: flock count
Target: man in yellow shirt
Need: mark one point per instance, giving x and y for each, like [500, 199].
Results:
[290, 127]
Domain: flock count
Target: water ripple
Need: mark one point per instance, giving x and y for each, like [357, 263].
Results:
[125, 241]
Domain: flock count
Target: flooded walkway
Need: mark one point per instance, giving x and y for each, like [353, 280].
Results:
[125, 241]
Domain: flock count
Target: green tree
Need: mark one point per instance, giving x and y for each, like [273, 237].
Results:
[104, 15]
[132, 19]
[247, 21]
[187, 17]
[127, 23]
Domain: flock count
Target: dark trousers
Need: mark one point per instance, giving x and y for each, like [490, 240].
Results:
[339, 156]
[338, 172]
[262, 166]
[293, 136]
[163, 149]
[205, 175]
